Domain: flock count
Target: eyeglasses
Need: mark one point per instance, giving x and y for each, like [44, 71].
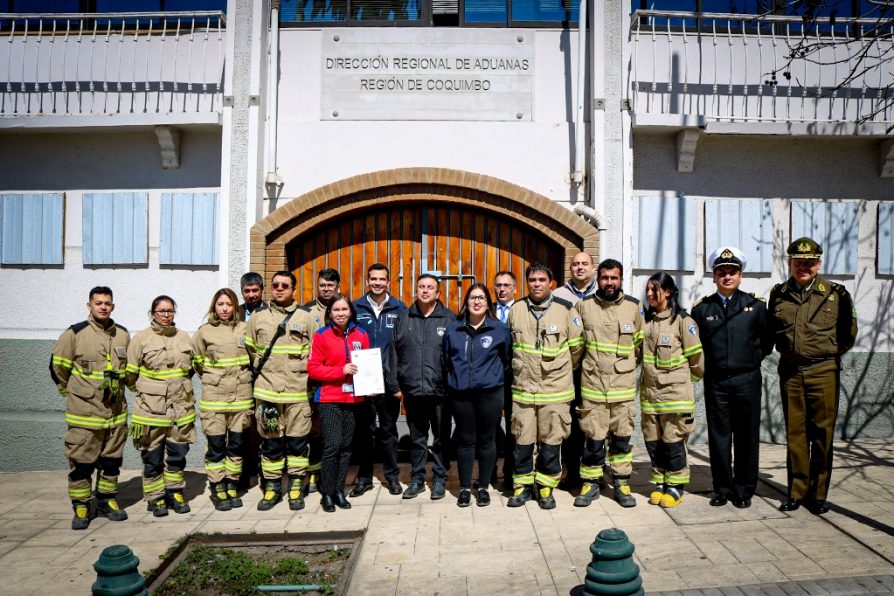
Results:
[165, 313]
[280, 286]
[478, 298]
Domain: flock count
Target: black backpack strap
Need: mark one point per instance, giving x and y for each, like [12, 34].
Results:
[280, 331]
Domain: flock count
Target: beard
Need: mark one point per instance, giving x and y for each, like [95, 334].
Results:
[609, 296]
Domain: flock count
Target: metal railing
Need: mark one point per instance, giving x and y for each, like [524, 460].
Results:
[761, 68]
[111, 63]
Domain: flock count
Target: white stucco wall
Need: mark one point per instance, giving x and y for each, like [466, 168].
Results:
[536, 155]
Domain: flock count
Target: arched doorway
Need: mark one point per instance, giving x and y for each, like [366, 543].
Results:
[462, 224]
[459, 244]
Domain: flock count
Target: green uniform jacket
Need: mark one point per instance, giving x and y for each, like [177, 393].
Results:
[812, 326]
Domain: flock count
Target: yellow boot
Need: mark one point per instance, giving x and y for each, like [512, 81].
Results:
[673, 495]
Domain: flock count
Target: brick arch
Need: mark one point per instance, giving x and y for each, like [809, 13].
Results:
[271, 235]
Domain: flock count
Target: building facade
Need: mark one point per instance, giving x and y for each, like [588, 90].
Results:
[170, 151]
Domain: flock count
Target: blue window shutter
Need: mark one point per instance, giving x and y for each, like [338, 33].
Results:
[115, 228]
[835, 226]
[189, 229]
[744, 223]
[885, 263]
[665, 230]
[31, 228]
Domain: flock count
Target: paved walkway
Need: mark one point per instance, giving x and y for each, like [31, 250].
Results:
[421, 546]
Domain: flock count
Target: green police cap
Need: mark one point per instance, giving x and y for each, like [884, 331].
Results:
[804, 248]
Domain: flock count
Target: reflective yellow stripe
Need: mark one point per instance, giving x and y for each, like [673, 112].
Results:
[226, 406]
[223, 362]
[664, 407]
[609, 348]
[296, 461]
[541, 398]
[95, 421]
[279, 396]
[79, 493]
[576, 341]
[215, 465]
[523, 479]
[544, 480]
[273, 466]
[233, 467]
[669, 363]
[676, 478]
[173, 477]
[591, 473]
[544, 351]
[693, 350]
[151, 421]
[656, 478]
[106, 486]
[279, 349]
[613, 395]
[154, 486]
[621, 458]
[314, 467]
[62, 361]
[183, 420]
[159, 375]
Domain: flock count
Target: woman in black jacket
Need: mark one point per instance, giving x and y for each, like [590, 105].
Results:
[477, 356]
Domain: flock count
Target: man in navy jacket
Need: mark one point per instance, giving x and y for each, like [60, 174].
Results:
[377, 314]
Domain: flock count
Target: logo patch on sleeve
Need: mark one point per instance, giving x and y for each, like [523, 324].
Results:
[576, 320]
[693, 330]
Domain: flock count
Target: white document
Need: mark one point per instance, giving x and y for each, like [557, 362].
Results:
[369, 379]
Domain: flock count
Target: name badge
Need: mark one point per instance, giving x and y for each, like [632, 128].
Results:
[665, 340]
[121, 352]
[347, 387]
[553, 328]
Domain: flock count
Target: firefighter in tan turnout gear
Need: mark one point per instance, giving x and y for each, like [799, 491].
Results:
[613, 333]
[279, 342]
[159, 367]
[88, 365]
[545, 341]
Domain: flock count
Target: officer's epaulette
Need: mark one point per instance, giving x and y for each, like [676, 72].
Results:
[757, 297]
[122, 328]
[78, 327]
[563, 302]
[780, 287]
[631, 299]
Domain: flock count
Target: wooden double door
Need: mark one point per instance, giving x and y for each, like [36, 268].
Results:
[460, 245]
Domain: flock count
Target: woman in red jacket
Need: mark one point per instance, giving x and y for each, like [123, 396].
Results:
[330, 364]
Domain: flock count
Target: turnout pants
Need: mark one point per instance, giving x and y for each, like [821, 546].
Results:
[544, 426]
[88, 449]
[606, 420]
[163, 450]
[225, 438]
[733, 408]
[666, 436]
[810, 406]
[285, 450]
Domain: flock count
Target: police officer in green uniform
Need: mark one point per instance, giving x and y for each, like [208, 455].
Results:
[814, 322]
[735, 336]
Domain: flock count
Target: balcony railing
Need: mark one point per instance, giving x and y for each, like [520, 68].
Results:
[111, 64]
[701, 67]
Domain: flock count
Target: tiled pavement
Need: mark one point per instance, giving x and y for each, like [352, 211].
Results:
[421, 546]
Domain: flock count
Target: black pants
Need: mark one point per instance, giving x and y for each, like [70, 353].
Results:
[337, 422]
[733, 408]
[477, 414]
[424, 413]
[508, 438]
[573, 446]
[386, 408]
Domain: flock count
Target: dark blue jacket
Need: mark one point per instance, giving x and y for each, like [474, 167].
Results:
[415, 364]
[379, 329]
[477, 358]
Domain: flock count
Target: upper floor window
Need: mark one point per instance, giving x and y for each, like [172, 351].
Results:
[488, 13]
[94, 6]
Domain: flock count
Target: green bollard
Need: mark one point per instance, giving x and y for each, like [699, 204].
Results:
[612, 571]
[116, 573]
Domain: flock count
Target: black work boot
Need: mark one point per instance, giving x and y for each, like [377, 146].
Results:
[523, 494]
[158, 507]
[589, 492]
[545, 498]
[296, 493]
[176, 501]
[622, 493]
[272, 494]
[109, 509]
[219, 497]
[233, 494]
[81, 519]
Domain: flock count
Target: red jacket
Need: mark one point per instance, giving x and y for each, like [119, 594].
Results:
[329, 352]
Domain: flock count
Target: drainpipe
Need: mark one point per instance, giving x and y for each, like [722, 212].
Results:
[273, 179]
[580, 129]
